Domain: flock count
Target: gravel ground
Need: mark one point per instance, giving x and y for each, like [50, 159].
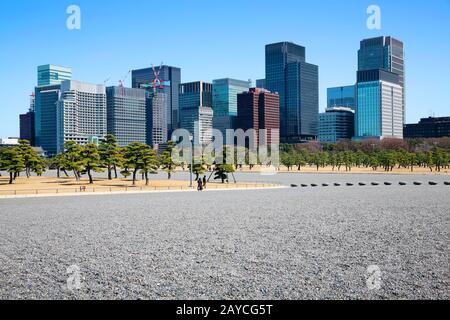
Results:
[298, 243]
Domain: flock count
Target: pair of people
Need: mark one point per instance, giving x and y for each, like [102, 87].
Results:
[201, 183]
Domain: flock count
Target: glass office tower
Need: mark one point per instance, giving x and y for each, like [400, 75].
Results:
[50, 74]
[126, 114]
[342, 97]
[337, 123]
[379, 106]
[196, 111]
[297, 84]
[156, 118]
[46, 98]
[224, 102]
[384, 53]
[170, 78]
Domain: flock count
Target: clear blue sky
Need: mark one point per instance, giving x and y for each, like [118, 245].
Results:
[215, 39]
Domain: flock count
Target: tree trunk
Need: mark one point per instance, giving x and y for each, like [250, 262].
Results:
[169, 175]
[146, 179]
[134, 177]
[91, 181]
[57, 173]
[11, 178]
[109, 173]
[115, 172]
[65, 172]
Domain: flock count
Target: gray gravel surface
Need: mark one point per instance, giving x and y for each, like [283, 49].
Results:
[296, 243]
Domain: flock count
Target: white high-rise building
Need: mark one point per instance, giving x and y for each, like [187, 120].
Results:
[81, 113]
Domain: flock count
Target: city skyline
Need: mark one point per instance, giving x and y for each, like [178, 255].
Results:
[94, 65]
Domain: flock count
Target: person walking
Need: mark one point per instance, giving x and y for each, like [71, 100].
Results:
[199, 185]
[204, 182]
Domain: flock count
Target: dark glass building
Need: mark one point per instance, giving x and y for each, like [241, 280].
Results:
[46, 117]
[170, 80]
[429, 128]
[337, 123]
[27, 127]
[297, 84]
[384, 53]
[196, 113]
[259, 109]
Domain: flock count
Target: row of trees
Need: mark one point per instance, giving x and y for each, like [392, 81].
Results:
[375, 155]
[140, 159]
[132, 160]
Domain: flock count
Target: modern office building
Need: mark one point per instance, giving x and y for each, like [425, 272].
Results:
[45, 117]
[27, 120]
[261, 83]
[156, 119]
[342, 97]
[336, 123]
[196, 111]
[168, 82]
[386, 53]
[50, 74]
[379, 106]
[429, 128]
[259, 109]
[81, 113]
[126, 114]
[224, 100]
[27, 130]
[297, 84]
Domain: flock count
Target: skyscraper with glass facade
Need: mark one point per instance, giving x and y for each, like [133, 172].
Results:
[196, 111]
[46, 98]
[50, 74]
[80, 113]
[342, 97]
[379, 106]
[336, 123]
[386, 53]
[224, 100]
[170, 80]
[297, 84]
[156, 119]
[126, 114]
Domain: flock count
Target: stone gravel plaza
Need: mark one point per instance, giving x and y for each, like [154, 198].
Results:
[290, 243]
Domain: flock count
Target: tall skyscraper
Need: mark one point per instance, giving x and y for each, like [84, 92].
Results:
[50, 74]
[45, 117]
[342, 97]
[168, 82]
[224, 102]
[259, 109]
[156, 119]
[386, 53]
[81, 113]
[297, 84]
[336, 123]
[379, 106]
[196, 111]
[27, 122]
[126, 114]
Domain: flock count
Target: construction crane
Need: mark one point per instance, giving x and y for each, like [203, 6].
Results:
[157, 82]
[122, 82]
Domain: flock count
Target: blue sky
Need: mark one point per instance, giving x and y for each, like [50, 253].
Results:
[215, 39]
